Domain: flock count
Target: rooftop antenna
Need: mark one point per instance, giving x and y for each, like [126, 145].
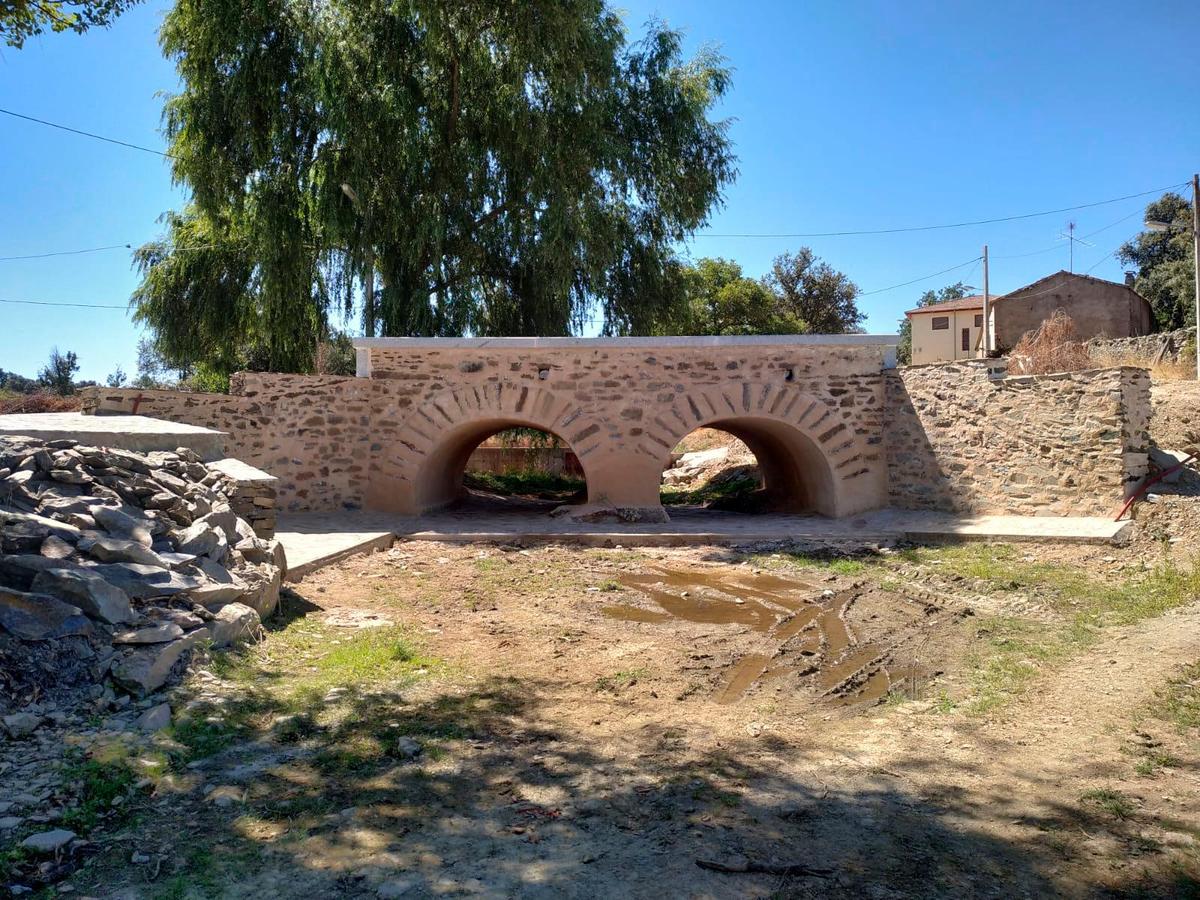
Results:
[1072, 240]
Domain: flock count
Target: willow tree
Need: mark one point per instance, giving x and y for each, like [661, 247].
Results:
[438, 167]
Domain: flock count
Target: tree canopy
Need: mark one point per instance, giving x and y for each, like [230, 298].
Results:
[486, 168]
[955, 291]
[21, 19]
[58, 375]
[801, 295]
[1165, 263]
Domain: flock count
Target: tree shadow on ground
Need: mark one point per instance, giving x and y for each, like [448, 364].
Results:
[479, 791]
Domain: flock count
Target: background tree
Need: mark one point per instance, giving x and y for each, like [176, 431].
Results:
[813, 295]
[59, 373]
[801, 296]
[492, 168]
[116, 378]
[1165, 263]
[955, 291]
[21, 19]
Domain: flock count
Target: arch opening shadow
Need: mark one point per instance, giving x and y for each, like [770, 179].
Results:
[443, 479]
[789, 472]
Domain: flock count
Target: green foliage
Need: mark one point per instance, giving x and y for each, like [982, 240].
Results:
[492, 168]
[21, 19]
[1179, 701]
[1112, 802]
[59, 373]
[815, 296]
[955, 291]
[116, 378]
[525, 484]
[1165, 263]
[101, 777]
[11, 382]
[801, 295]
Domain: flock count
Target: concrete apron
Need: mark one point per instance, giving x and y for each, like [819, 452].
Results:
[315, 540]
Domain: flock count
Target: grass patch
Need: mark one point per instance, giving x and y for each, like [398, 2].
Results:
[531, 483]
[285, 682]
[1179, 702]
[1112, 802]
[101, 777]
[1014, 651]
[731, 488]
[618, 680]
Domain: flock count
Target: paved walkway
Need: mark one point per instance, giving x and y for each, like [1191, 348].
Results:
[313, 540]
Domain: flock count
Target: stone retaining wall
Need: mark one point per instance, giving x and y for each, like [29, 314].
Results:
[965, 437]
[1177, 347]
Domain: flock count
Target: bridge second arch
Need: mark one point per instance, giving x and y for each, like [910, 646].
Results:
[811, 459]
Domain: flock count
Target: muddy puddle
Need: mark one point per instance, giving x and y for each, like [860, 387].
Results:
[807, 636]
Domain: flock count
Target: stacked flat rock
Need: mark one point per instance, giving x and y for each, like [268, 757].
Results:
[121, 563]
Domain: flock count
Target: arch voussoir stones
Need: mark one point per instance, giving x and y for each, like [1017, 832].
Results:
[623, 405]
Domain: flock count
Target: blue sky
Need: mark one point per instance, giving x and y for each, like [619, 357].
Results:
[847, 116]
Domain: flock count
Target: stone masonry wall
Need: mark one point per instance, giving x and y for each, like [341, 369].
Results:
[948, 437]
[1177, 347]
[963, 437]
[326, 438]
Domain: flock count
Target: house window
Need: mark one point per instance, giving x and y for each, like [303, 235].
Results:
[966, 338]
[941, 323]
[979, 320]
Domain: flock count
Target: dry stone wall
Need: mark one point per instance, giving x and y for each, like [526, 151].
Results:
[964, 437]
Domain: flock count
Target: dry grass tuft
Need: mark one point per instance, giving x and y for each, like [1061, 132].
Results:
[1054, 347]
[12, 403]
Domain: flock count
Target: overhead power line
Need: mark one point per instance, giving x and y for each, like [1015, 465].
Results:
[67, 252]
[922, 278]
[55, 303]
[98, 137]
[1032, 215]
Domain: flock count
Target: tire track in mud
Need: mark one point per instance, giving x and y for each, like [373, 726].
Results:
[816, 645]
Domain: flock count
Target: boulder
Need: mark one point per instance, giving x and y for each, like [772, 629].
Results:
[141, 582]
[111, 549]
[54, 547]
[36, 617]
[233, 623]
[145, 669]
[87, 590]
[224, 520]
[21, 725]
[47, 842]
[156, 718]
[151, 634]
[262, 594]
[199, 538]
[17, 570]
[125, 524]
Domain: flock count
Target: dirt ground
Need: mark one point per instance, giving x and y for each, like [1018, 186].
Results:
[439, 720]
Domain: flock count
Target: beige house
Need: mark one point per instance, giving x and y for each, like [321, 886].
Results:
[947, 331]
[953, 330]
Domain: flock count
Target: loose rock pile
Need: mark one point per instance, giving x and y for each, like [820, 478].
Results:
[113, 566]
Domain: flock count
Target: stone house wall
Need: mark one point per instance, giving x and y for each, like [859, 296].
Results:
[964, 437]
[1098, 308]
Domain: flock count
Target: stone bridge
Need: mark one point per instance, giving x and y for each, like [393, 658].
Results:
[809, 408]
[837, 430]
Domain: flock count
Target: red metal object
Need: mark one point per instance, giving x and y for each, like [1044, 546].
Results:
[1146, 484]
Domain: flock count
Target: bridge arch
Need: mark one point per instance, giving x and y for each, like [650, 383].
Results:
[422, 469]
[811, 458]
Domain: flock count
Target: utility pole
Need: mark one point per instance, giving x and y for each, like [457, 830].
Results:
[1196, 260]
[987, 307]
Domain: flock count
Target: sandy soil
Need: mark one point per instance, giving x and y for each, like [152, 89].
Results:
[700, 723]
